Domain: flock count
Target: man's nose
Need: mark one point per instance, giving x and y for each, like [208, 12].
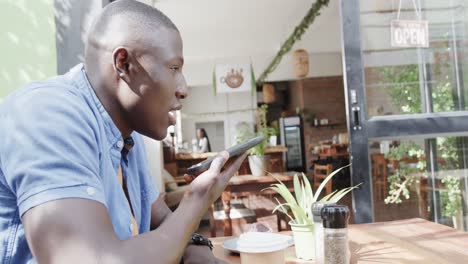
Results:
[182, 90]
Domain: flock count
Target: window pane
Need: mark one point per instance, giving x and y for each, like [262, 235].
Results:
[396, 78]
[405, 187]
[396, 167]
[451, 181]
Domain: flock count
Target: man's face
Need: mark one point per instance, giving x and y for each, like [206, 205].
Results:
[157, 87]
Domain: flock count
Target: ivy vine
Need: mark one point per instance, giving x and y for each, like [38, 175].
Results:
[296, 35]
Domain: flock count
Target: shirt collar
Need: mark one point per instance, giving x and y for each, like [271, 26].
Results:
[80, 78]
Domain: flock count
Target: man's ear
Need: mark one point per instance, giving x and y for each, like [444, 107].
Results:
[121, 61]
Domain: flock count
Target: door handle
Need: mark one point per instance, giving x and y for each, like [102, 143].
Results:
[356, 120]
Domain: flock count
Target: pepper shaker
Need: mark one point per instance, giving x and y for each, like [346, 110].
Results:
[335, 228]
[318, 229]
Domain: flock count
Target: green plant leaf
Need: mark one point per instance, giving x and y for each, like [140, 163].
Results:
[284, 192]
[280, 207]
[300, 204]
[274, 176]
[322, 185]
[298, 190]
[340, 194]
[305, 204]
[299, 213]
[308, 188]
[328, 196]
[253, 80]
[309, 195]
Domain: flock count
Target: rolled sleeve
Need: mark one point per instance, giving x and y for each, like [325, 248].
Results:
[51, 193]
[51, 149]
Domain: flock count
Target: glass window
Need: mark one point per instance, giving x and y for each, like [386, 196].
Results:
[397, 79]
[406, 185]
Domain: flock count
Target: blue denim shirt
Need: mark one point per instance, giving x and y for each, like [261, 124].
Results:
[57, 141]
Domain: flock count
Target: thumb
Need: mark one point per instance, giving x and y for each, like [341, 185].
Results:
[219, 162]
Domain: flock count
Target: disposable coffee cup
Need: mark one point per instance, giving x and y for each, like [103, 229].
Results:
[262, 248]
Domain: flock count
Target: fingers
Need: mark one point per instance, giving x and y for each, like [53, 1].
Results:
[235, 165]
[219, 162]
[188, 178]
[215, 167]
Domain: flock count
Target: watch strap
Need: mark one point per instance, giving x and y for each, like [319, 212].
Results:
[200, 240]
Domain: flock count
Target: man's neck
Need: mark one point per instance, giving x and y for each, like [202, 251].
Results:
[109, 101]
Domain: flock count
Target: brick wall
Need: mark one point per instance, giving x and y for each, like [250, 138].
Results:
[323, 97]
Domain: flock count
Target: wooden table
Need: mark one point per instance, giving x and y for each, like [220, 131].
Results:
[332, 155]
[414, 241]
[251, 185]
[334, 151]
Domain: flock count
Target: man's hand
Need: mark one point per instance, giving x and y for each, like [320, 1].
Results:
[209, 185]
[200, 255]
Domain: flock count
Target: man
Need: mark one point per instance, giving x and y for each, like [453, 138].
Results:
[72, 187]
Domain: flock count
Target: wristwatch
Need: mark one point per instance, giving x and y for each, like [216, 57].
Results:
[200, 240]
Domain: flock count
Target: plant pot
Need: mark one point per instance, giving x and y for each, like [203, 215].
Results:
[272, 141]
[304, 240]
[457, 221]
[257, 165]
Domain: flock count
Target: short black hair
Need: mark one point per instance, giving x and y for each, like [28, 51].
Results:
[136, 13]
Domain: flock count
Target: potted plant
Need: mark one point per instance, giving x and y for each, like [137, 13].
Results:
[273, 136]
[300, 205]
[257, 159]
[256, 154]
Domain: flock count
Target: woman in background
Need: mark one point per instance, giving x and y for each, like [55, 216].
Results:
[203, 141]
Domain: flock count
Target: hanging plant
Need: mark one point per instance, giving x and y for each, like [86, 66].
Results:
[296, 35]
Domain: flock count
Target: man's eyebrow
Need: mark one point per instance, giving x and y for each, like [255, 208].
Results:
[177, 60]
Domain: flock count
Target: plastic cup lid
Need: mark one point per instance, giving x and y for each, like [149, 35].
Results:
[262, 242]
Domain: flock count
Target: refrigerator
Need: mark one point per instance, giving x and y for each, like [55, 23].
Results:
[292, 136]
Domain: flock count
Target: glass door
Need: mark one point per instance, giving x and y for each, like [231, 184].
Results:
[293, 143]
[406, 111]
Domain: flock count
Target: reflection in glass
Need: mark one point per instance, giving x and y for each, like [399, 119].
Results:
[397, 79]
[406, 184]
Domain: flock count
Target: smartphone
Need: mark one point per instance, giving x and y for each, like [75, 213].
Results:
[233, 151]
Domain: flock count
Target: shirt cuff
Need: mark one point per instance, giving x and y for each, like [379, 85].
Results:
[85, 191]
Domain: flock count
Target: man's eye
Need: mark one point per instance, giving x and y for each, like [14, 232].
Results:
[175, 68]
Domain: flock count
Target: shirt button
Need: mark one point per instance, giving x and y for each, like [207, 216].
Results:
[91, 191]
[120, 144]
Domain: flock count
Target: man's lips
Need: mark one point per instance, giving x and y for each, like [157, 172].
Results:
[172, 114]
[172, 118]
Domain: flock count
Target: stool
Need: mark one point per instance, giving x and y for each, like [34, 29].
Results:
[240, 217]
[320, 173]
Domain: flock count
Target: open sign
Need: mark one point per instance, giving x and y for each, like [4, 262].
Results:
[410, 33]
